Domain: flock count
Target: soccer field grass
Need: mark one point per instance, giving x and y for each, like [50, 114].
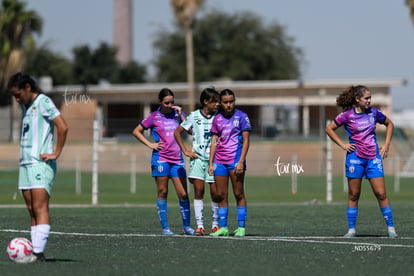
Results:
[286, 234]
[281, 240]
[115, 189]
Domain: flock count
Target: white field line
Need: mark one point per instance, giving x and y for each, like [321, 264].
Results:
[320, 240]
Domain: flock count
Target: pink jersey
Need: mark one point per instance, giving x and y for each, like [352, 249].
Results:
[229, 132]
[360, 128]
[162, 129]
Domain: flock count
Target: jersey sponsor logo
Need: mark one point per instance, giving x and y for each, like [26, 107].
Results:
[26, 128]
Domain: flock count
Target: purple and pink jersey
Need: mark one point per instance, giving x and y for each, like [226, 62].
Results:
[162, 129]
[360, 128]
[229, 132]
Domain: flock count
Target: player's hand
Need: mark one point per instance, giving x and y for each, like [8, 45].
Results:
[384, 151]
[348, 147]
[239, 169]
[48, 156]
[157, 146]
[190, 154]
[211, 170]
[178, 108]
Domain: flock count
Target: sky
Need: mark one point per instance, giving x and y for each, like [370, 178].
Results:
[353, 39]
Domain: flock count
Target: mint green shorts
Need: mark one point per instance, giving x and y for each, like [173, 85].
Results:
[199, 170]
[36, 176]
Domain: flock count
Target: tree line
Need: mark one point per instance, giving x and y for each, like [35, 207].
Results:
[239, 46]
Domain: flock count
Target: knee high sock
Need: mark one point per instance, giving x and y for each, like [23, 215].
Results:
[185, 212]
[223, 213]
[198, 212]
[214, 214]
[241, 215]
[163, 213]
[387, 214]
[32, 232]
[352, 214]
[40, 238]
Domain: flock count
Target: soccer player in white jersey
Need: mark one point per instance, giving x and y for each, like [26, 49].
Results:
[198, 124]
[38, 155]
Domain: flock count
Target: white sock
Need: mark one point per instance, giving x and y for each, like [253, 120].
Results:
[32, 232]
[351, 230]
[40, 238]
[391, 229]
[214, 214]
[198, 211]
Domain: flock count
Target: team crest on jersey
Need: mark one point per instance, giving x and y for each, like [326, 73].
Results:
[236, 123]
[34, 111]
[371, 119]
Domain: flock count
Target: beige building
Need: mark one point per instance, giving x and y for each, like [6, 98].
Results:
[274, 107]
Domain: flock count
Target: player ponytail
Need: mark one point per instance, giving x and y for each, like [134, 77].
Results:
[347, 99]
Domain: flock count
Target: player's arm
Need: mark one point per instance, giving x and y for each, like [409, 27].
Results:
[138, 132]
[214, 140]
[388, 136]
[177, 135]
[245, 148]
[330, 131]
[62, 131]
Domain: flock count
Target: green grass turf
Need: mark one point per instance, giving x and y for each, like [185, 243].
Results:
[282, 240]
[286, 234]
[115, 189]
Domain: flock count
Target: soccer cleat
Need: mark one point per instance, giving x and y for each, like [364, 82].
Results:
[392, 234]
[26, 259]
[350, 235]
[223, 231]
[167, 232]
[214, 229]
[240, 232]
[200, 232]
[188, 231]
[34, 257]
[40, 257]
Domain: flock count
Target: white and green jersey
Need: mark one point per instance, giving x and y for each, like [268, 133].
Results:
[37, 129]
[200, 127]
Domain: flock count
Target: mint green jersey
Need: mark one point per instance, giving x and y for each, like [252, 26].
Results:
[37, 129]
[200, 127]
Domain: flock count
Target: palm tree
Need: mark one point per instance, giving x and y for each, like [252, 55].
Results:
[410, 4]
[17, 26]
[185, 11]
